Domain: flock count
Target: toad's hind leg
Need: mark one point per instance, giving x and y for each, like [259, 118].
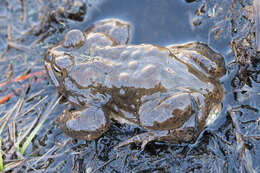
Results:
[88, 123]
[209, 61]
[176, 136]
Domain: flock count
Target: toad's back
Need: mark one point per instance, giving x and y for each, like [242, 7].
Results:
[138, 66]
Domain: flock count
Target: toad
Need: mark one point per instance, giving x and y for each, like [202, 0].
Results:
[173, 92]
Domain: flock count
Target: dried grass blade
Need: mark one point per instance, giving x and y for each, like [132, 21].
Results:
[1, 158]
[30, 137]
[12, 165]
[49, 109]
[20, 139]
[244, 153]
[8, 115]
[34, 106]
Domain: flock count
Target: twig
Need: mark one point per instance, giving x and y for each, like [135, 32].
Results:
[20, 47]
[23, 11]
[24, 77]
[7, 97]
[28, 131]
[241, 147]
[124, 162]
[106, 163]
[8, 115]
[13, 136]
[9, 36]
[34, 95]
[34, 106]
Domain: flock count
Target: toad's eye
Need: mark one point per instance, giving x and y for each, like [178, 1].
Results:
[57, 71]
[74, 38]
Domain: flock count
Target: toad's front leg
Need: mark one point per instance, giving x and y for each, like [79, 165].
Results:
[88, 123]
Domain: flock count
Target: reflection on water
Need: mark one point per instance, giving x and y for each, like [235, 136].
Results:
[157, 22]
[161, 22]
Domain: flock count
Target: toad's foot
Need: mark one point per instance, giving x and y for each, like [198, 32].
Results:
[176, 136]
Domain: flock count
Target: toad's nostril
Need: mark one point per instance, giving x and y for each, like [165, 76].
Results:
[74, 38]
